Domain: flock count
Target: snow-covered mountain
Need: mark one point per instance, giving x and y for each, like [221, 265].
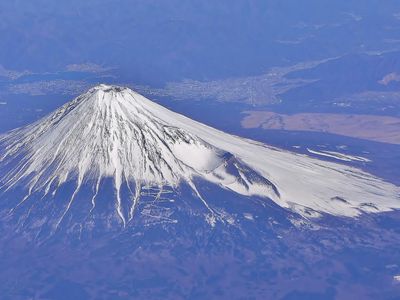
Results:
[112, 132]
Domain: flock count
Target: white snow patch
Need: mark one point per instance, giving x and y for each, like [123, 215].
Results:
[339, 156]
[248, 216]
[197, 156]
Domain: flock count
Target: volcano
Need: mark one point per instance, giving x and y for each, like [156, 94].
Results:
[113, 136]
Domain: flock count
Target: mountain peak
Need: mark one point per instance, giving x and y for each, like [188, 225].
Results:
[106, 88]
[104, 93]
[113, 132]
[107, 104]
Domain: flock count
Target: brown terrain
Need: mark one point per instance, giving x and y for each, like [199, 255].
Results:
[369, 127]
[390, 78]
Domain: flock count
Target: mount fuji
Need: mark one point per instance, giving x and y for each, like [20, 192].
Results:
[98, 156]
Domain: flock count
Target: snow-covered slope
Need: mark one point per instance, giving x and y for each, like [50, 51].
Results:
[114, 132]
